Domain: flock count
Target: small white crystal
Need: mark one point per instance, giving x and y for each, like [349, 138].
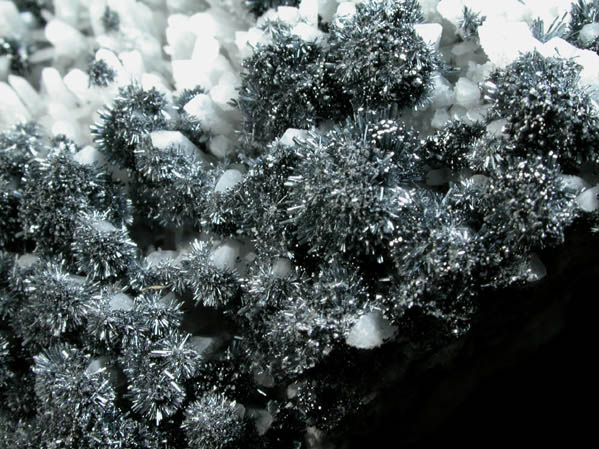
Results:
[587, 200]
[308, 10]
[467, 93]
[27, 260]
[180, 37]
[451, 10]
[220, 146]
[346, 9]
[308, 33]
[226, 255]
[88, 155]
[77, 81]
[589, 76]
[504, 41]
[151, 81]
[186, 75]
[288, 14]
[440, 118]
[370, 331]
[112, 61]
[133, 63]
[27, 94]
[205, 51]
[479, 72]
[67, 11]
[96, 366]
[67, 128]
[292, 133]
[67, 41]
[326, 9]
[120, 301]
[222, 94]
[158, 257]
[263, 421]
[12, 110]
[229, 179]
[575, 183]
[558, 47]
[164, 139]
[204, 23]
[442, 95]
[429, 10]
[203, 108]
[11, 24]
[477, 114]
[221, 69]
[202, 345]
[430, 33]
[281, 268]
[457, 112]
[496, 127]
[53, 86]
[589, 33]
[536, 268]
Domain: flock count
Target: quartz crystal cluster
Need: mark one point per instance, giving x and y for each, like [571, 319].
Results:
[215, 215]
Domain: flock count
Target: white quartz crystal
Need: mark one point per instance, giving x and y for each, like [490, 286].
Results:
[163, 139]
[158, 257]
[77, 81]
[66, 39]
[326, 9]
[430, 33]
[536, 268]
[11, 24]
[370, 331]
[220, 146]
[306, 32]
[589, 33]
[12, 110]
[308, 10]
[281, 267]
[587, 200]
[227, 255]
[440, 118]
[27, 94]
[54, 88]
[496, 127]
[121, 301]
[203, 108]
[503, 41]
[205, 51]
[68, 11]
[186, 76]
[88, 155]
[467, 93]
[68, 128]
[575, 183]
[222, 94]
[292, 133]
[228, 180]
[345, 10]
[442, 93]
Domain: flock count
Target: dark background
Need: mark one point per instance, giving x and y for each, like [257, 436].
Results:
[525, 374]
